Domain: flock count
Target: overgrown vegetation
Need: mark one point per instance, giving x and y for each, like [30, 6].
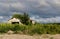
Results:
[31, 29]
[25, 19]
[28, 28]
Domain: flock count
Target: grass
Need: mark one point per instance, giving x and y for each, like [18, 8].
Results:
[31, 29]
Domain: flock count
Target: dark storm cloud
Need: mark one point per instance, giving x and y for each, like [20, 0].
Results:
[36, 8]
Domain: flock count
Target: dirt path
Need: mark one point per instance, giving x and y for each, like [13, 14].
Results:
[17, 36]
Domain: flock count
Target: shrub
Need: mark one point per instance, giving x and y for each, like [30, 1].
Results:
[31, 29]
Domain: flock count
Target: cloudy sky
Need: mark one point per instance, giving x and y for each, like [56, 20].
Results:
[44, 11]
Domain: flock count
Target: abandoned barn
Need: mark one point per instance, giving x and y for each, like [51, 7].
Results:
[18, 21]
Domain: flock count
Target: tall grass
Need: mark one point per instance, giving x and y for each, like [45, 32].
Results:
[31, 29]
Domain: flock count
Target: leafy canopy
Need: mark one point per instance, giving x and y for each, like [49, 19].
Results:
[24, 18]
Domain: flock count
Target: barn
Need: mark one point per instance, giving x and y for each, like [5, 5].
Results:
[18, 21]
[14, 21]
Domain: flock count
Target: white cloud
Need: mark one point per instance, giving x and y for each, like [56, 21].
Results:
[47, 20]
[17, 5]
[1, 17]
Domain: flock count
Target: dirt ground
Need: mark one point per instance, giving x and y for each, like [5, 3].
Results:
[18, 36]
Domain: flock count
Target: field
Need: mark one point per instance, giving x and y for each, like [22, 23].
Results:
[30, 29]
[37, 31]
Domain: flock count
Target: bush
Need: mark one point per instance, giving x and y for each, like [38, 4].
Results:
[31, 29]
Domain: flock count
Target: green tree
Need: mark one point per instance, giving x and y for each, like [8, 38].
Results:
[19, 16]
[25, 19]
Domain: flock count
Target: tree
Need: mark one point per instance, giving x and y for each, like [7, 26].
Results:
[17, 16]
[24, 18]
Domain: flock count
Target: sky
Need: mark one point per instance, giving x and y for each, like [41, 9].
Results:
[43, 11]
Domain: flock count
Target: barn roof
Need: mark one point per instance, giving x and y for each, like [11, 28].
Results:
[14, 20]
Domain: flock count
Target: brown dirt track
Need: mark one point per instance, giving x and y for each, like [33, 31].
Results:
[18, 36]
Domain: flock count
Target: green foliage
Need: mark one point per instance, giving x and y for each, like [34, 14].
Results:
[17, 16]
[24, 18]
[5, 28]
[31, 29]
